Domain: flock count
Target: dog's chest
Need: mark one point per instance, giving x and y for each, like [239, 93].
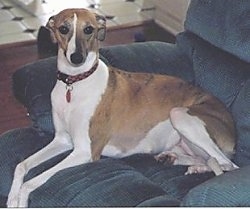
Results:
[66, 110]
[85, 96]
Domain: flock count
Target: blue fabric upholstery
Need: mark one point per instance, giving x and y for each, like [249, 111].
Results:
[223, 23]
[211, 53]
[106, 183]
[228, 190]
[37, 100]
[241, 114]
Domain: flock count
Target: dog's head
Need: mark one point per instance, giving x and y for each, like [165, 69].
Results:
[77, 32]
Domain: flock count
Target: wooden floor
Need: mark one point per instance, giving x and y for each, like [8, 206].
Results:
[12, 113]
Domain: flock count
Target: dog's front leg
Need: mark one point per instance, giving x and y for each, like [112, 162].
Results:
[16, 186]
[57, 146]
[80, 154]
[61, 143]
[77, 157]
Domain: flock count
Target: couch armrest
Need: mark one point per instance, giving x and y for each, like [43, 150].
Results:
[32, 85]
[228, 190]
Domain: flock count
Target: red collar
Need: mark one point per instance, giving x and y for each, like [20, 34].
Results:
[70, 79]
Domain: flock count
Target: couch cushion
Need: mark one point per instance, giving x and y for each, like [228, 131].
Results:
[137, 180]
[229, 190]
[104, 183]
[170, 178]
[228, 31]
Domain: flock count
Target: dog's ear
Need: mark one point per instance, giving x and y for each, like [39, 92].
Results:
[50, 26]
[101, 27]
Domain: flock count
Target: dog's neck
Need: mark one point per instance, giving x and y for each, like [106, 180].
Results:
[65, 67]
[70, 79]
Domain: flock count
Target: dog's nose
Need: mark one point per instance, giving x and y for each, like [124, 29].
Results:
[76, 58]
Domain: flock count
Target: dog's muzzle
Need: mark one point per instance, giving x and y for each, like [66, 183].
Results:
[76, 58]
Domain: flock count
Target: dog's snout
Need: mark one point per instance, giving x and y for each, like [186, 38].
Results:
[76, 58]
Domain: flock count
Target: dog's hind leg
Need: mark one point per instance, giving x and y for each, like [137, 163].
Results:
[196, 138]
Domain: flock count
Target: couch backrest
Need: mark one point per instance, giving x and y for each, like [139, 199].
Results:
[223, 23]
[217, 37]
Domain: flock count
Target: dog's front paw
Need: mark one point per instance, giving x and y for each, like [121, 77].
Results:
[12, 201]
[20, 199]
[166, 158]
[26, 189]
[13, 197]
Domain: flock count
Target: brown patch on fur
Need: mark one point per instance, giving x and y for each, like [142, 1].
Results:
[134, 103]
[219, 123]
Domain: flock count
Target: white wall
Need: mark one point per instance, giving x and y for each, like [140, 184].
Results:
[170, 14]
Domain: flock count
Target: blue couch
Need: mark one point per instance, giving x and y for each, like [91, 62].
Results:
[213, 52]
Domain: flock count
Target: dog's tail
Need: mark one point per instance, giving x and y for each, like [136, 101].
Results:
[217, 168]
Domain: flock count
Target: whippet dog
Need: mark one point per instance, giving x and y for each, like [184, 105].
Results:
[99, 110]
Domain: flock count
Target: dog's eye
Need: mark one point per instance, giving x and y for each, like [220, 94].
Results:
[88, 30]
[63, 29]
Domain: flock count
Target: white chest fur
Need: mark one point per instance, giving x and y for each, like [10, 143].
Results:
[85, 96]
